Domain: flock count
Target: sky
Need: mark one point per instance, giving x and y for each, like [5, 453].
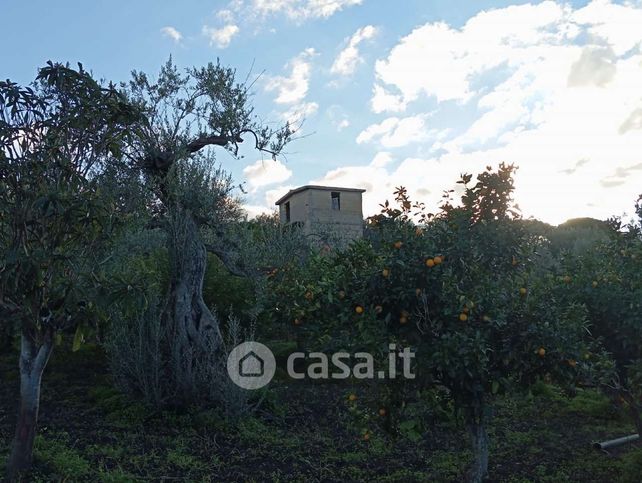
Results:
[408, 93]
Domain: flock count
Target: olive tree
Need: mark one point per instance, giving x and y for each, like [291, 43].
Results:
[54, 137]
[187, 115]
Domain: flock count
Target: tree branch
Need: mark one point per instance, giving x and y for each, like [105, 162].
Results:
[225, 258]
[199, 143]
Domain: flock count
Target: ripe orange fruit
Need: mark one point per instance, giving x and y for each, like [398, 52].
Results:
[572, 362]
[297, 321]
[378, 309]
[385, 272]
[398, 244]
[463, 317]
[541, 352]
[358, 309]
[342, 294]
[352, 397]
[403, 319]
[308, 295]
[567, 279]
[430, 262]
[382, 412]
[438, 260]
[522, 291]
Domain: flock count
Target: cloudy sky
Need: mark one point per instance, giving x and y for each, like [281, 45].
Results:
[408, 93]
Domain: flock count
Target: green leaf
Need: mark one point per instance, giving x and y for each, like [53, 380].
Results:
[78, 339]
[495, 387]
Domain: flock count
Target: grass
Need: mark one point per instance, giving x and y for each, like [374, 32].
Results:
[91, 432]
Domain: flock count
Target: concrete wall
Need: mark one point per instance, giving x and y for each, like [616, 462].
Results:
[298, 207]
[313, 207]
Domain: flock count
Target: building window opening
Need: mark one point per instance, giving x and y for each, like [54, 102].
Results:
[336, 200]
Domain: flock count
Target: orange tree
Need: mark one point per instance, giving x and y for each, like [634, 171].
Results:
[465, 290]
[608, 281]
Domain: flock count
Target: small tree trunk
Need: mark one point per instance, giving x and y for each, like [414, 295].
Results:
[633, 410]
[479, 437]
[195, 330]
[33, 360]
[476, 419]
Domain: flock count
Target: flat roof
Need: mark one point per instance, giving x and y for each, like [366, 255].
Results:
[317, 187]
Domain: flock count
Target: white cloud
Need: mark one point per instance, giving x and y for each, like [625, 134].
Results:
[172, 33]
[265, 172]
[381, 159]
[383, 101]
[226, 16]
[376, 130]
[297, 10]
[616, 25]
[293, 88]
[252, 211]
[273, 195]
[349, 58]
[394, 132]
[221, 37]
[441, 61]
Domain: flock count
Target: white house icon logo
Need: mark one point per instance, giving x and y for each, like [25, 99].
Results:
[251, 365]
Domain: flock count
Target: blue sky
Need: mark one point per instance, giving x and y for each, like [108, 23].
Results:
[406, 93]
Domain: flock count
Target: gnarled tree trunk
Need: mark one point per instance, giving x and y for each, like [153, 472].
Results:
[479, 437]
[33, 360]
[195, 331]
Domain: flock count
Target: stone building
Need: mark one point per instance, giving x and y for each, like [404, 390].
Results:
[330, 214]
